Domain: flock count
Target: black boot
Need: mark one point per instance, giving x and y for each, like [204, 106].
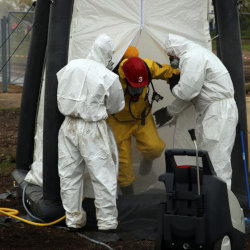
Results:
[127, 190]
[145, 167]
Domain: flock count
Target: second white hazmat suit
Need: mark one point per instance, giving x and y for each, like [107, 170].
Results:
[87, 93]
[206, 83]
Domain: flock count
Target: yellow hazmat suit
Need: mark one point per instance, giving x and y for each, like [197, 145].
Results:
[128, 123]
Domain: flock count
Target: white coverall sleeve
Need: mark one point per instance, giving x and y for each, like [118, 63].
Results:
[177, 106]
[192, 77]
[115, 100]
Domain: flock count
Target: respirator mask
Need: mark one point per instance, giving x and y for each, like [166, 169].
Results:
[110, 64]
[135, 92]
[174, 61]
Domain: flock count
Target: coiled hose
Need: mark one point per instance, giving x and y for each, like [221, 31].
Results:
[13, 212]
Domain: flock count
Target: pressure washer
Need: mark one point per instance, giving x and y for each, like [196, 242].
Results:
[199, 212]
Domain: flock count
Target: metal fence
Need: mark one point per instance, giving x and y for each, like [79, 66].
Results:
[15, 39]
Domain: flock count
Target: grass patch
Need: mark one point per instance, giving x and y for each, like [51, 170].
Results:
[247, 86]
[10, 108]
[245, 40]
[245, 44]
[213, 45]
[7, 166]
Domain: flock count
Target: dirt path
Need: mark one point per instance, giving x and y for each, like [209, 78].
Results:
[11, 98]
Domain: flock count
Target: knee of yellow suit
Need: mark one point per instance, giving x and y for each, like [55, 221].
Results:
[152, 150]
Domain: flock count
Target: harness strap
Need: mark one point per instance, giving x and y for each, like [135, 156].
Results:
[155, 96]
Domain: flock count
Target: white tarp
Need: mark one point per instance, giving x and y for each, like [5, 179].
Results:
[144, 24]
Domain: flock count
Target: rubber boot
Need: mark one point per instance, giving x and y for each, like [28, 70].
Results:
[145, 167]
[127, 190]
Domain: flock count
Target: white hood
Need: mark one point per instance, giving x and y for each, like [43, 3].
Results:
[102, 50]
[177, 45]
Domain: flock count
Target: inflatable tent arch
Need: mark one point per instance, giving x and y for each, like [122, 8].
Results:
[72, 26]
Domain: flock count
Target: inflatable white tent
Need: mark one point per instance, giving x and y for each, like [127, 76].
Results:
[144, 24]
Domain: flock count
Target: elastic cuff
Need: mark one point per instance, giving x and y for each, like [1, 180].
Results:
[104, 225]
[169, 112]
[76, 220]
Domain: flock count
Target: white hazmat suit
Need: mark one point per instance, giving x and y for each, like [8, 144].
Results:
[87, 93]
[206, 83]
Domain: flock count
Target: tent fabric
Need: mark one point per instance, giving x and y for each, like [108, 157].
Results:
[188, 18]
[91, 18]
[35, 175]
[123, 20]
[144, 24]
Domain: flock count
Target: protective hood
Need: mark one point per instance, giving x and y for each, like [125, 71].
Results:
[177, 45]
[102, 50]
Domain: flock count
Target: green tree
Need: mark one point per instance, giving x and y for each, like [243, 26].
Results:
[21, 5]
[4, 8]
[244, 15]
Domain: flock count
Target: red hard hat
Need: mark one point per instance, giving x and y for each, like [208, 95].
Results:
[135, 72]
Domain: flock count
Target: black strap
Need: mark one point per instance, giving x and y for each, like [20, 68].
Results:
[149, 73]
[143, 116]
